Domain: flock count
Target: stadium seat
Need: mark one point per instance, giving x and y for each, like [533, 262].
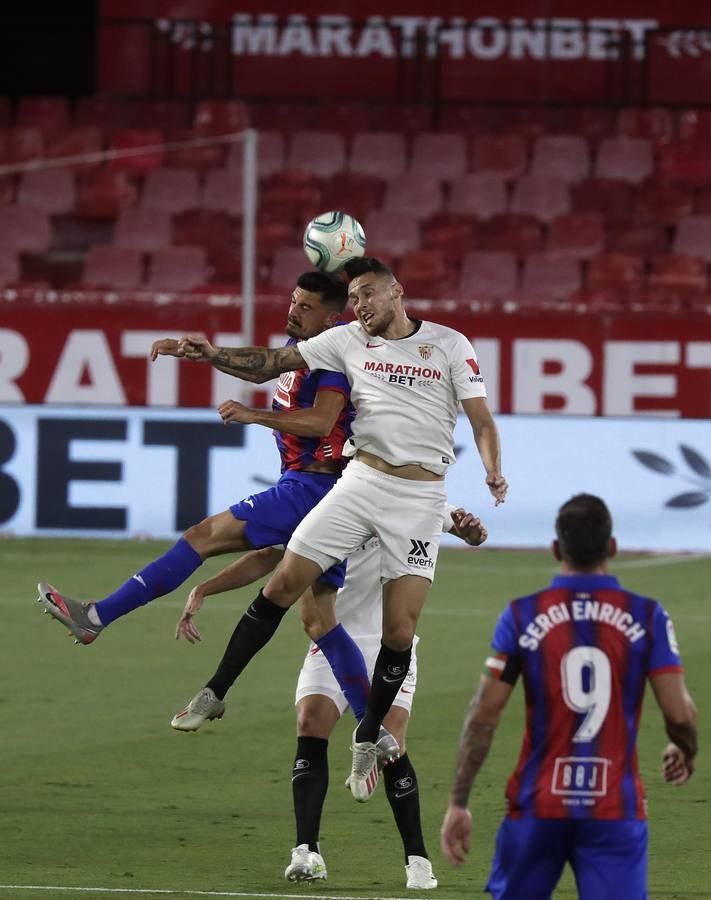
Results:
[272, 234]
[407, 118]
[615, 271]
[663, 204]
[694, 125]
[546, 278]
[177, 269]
[488, 275]
[112, 267]
[540, 196]
[392, 232]
[49, 114]
[684, 162]
[171, 190]
[214, 117]
[287, 116]
[612, 199]
[358, 194]
[20, 145]
[528, 121]
[49, 189]
[287, 265]
[222, 190]
[76, 141]
[143, 229]
[561, 156]
[226, 265]
[271, 154]
[642, 240]
[576, 236]
[425, 274]
[103, 193]
[465, 118]
[504, 154]
[412, 195]
[9, 266]
[684, 276]
[320, 153]
[482, 194]
[131, 141]
[167, 115]
[25, 229]
[107, 113]
[188, 150]
[347, 117]
[207, 228]
[590, 122]
[382, 154]
[454, 234]
[291, 195]
[442, 156]
[693, 237]
[654, 123]
[519, 234]
[628, 159]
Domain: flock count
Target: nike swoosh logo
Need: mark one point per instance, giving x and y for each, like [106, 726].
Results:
[392, 680]
[250, 615]
[373, 346]
[250, 503]
[139, 579]
[405, 691]
[405, 794]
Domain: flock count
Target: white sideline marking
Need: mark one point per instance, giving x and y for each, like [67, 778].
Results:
[186, 893]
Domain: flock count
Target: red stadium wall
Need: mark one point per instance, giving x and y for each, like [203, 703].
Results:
[562, 51]
[575, 364]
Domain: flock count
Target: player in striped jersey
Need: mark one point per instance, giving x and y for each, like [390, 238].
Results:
[584, 647]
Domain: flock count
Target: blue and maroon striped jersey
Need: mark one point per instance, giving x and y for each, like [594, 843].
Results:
[297, 390]
[585, 647]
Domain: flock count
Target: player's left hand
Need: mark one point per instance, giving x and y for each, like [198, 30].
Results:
[232, 411]
[166, 347]
[468, 527]
[498, 487]
[676, 768]
[455, 833]
[186, 627]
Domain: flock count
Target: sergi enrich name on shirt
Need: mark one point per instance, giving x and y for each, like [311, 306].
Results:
[580, 610]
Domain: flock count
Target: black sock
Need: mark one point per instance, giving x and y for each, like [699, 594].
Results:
[253, 631]
[404, 798]
[309, 783]
[391, 669]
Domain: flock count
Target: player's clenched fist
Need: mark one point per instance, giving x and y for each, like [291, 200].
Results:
[197, 347]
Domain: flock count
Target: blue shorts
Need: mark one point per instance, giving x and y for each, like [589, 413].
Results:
[271, 516]
[608, 857]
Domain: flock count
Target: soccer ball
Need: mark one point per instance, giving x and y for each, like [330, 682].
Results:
[333, 238]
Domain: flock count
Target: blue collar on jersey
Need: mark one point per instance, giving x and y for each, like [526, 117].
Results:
[585, 582]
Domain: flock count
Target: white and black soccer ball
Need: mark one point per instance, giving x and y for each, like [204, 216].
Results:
[333, 238]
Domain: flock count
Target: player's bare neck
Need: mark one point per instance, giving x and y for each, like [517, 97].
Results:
[401, 327]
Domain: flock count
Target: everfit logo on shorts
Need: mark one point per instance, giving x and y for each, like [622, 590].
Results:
[419, 555]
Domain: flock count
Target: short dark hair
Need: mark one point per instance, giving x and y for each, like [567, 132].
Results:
[584, 528]
[333, 290]
[362, 264]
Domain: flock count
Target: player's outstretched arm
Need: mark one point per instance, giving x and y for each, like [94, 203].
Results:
[478, 731]
[248, 568]
[486, 437]
[254, 364]
[679, 713]
[318, 420]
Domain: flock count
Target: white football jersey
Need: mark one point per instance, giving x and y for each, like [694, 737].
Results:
[406, 392]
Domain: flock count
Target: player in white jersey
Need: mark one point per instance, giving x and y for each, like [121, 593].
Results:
[407, 380]
[320, 702]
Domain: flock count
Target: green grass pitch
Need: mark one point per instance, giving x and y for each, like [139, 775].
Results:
[98, 791]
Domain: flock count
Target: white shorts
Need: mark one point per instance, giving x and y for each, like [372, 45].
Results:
[316, 676]
[406, 515]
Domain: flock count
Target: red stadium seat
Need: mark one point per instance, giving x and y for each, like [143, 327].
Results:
[171, 190]
[347, 117]
[412, 195]
[49, 189]
[612, 199]
[167, 115]
[49, 114]
[519, 234]
[221, 116]
[104, 193]
[131, 141]
[272, 234]
[177, 269]
[685, 276]
[222, 190]
[529, 122]
[482, 194]
[653, 123]
[287, 265]
[207, 228]
[392, 232]
[287, 116]
[357, 194]
[504, 154]
[319, 153]
[426, 274]
[465, 119]
[20, 145]
[25, 229]
[112, 267]
[77, 141]
[628, 159]
[143, 229]
[616, 271]
[9, 266]
[694, 125]
[684, 162]
[408, 118]
[576, 236]
[442, 156]
[107, 113]
[663, 204]
[382, 154]
[591, 122]
[540, 196]
[454, 234]
[641, 240]
[563, 156]
[187, 150]
[547, 278]
[291, 195]
[271, 154]
[693, 237]
[487, 275]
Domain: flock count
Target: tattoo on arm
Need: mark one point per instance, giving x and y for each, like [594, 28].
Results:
[259, 363]
[474, 746]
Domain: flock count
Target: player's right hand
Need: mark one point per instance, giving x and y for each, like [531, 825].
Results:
[677, 768]
[455, 832]
[197, 348]
[186, 627]
[498, 487]
[165, 347]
